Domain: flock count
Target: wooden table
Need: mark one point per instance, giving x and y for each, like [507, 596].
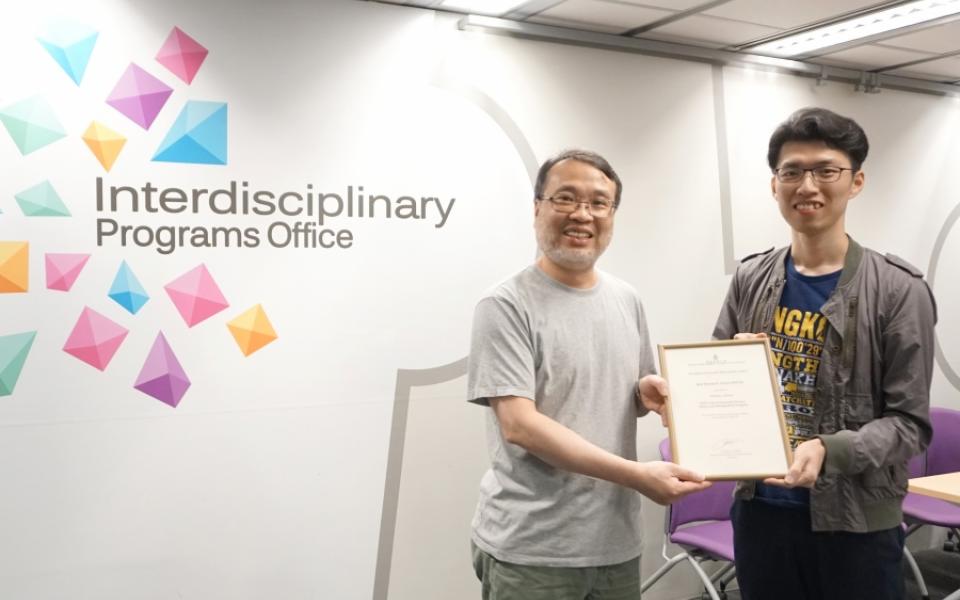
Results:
[945, 487]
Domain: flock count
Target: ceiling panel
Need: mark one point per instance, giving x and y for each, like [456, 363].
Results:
[712, 31]
[943, 69]
[668, 4]
[613, 29]
[734, 23]
[622, 17]
[785, 15]
[940, 39]
[871, 56]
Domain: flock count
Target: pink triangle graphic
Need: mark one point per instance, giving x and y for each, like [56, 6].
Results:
[196, 295]
[63, 270]
[95, 339]
[182, 55]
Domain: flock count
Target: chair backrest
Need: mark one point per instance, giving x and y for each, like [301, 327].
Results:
[917, 467]
[943, 455]
[712, 504]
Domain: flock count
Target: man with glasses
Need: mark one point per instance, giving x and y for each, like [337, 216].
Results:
[556, 353]
[852, 337]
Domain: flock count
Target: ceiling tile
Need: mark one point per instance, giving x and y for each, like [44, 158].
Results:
[541, 20]
[943, 69]
[939, 39]
[870, 56]
[621, 17]
[668, 4]
[714, 31]
[785, 15]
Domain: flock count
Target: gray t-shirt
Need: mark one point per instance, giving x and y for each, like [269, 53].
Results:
[578, 354]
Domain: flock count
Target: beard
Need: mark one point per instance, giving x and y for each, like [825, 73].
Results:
[550, 242]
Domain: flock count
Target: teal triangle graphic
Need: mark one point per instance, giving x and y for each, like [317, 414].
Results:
[199, 135]
[42, 201]
[70, 44]
[31, 124]
[73, 59]
[13, 353]
[127, 290]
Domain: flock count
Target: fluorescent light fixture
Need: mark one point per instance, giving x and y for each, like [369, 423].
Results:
[482, 7]
[859, 27]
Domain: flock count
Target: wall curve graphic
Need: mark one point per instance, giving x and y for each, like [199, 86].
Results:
[409, 378]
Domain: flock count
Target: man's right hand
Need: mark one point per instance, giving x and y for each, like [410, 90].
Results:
[665, 482]
[749, 336]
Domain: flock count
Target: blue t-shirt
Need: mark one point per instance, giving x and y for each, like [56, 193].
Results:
[797, 343]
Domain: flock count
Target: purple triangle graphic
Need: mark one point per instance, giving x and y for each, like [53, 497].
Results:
[162, 376]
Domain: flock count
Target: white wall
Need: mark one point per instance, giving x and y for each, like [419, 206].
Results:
[268, 480]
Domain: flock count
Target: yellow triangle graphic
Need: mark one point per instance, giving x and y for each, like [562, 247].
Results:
[14, 262]
[104, 142]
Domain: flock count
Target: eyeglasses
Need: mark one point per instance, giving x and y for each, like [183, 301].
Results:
[824, 174]
[567, 203]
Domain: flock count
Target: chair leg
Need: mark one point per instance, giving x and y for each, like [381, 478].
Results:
[727, 578]
[951, 545]
[721, 572]
[703, 577]
[662, 571]
[917, 575]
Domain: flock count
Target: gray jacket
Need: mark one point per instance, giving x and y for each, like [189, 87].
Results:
[873, 387]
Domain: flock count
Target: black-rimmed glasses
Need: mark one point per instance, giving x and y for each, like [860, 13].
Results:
[824, 174]
[567, 203]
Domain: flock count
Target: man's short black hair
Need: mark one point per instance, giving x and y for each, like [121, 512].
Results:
[585, 156]
[814, 124]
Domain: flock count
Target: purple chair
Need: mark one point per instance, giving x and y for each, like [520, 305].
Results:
[700, 525]
[942, 456]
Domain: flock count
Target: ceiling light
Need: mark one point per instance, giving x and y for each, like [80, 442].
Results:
[859, 27]
[482, 7]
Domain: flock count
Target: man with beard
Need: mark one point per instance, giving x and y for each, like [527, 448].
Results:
[556, 353]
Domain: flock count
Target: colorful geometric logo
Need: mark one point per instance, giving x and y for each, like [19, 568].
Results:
[196, 295]
[32, 124]
[14, 267]
[70, 44]
[162, 377]
[104, 142]
[13, 353]
[139, 96]
[42, 201]
[127, 291]
[182, 54]
[63, 270]
[95, 339]
[252, 330]
[198, 136]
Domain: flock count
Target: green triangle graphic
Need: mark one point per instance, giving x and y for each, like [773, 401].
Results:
[13, 353]
[42, 201]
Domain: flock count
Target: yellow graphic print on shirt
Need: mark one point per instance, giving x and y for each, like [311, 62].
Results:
[797, 343]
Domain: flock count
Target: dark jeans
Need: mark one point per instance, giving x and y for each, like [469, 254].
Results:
[779, 556]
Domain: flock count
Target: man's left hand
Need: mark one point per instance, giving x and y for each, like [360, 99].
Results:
[807, 462]
[653, 392]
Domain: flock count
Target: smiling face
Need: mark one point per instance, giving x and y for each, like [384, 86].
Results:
[572, 243]
[812, 208]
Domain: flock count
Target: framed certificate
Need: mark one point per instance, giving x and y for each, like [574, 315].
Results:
[724, 410]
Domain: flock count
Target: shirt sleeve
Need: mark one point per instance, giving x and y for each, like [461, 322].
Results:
[727, 325]
[648, 365]
[501, 361]
[903, 428]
